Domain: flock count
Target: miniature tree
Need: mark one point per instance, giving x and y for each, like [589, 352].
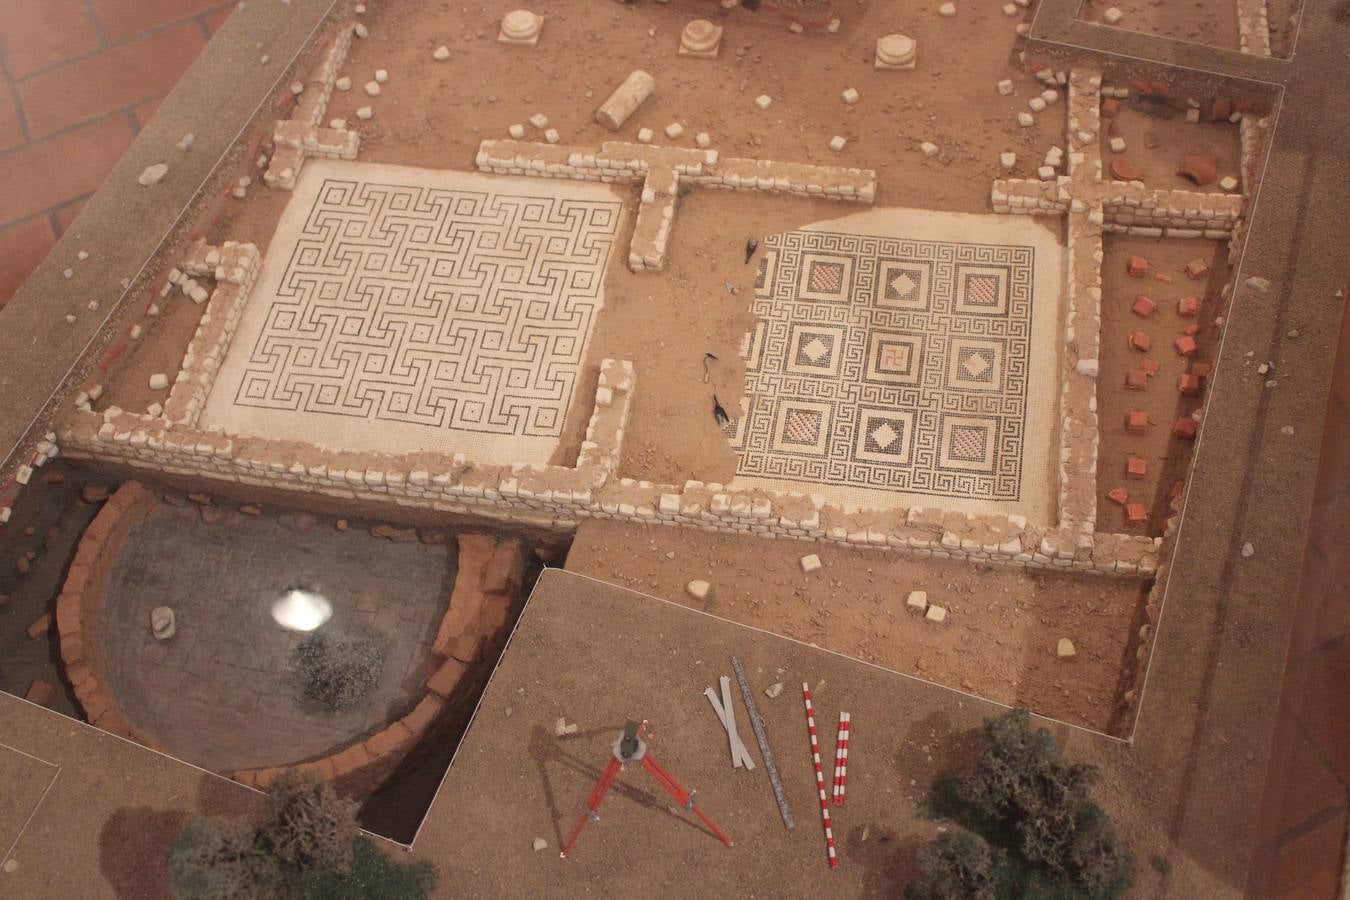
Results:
[339, 670]
[1022, 797]
[308, 845]
[373, 876]
[219, 859]
[309, 828]
[957, 866]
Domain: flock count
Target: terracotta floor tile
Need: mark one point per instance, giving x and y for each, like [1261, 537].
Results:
[122, 19]
[144, 111]
[22, 247]
[217, 17]
[11, 132]
[36, 34]
[108, 81]
[31, 183]
[1309, 867]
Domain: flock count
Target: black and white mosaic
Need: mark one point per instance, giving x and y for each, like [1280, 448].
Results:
[889, 363]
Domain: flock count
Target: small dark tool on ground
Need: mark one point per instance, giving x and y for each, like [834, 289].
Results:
[750, 247]
[631, 748]
[719, 414]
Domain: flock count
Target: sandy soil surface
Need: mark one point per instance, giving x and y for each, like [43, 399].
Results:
[998, 641]
[1168, 458]
[638, 658]
[1211, 22]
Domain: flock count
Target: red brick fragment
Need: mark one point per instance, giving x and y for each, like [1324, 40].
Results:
[1192, 330]
[1136, 422]
[40, 626]
[1184, 428]
[1118, 495]
[1188, 306]
[1164, 277]
[1186, 345]
[1143, 307]
[1136, 380]
[1139, 340]
[1150, 366]
[1136, 514]
[1189, 384]
[1137, 267]
[1197, 269]
[1136, 467]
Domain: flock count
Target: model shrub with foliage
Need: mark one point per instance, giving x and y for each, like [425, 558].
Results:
[308, 846]
[1036, 830]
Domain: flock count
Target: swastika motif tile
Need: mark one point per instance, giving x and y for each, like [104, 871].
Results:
[922, 367]
[403, 309]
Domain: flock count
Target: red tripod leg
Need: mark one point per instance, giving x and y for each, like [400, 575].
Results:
[676, 790]
[593, 802]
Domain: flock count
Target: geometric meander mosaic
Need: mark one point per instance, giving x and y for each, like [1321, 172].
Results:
[441, 307]
[889, 363]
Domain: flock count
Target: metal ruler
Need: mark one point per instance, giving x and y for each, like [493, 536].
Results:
[758, 724]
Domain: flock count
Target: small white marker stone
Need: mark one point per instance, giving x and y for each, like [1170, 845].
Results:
[1117, 145]
[936, 614]
[703, 139]
[342, 84]
[917, 601]
[1025, 119]
[382, 76]
[1228, 182]
[364, 113]
[810, 563]
[1112, 16]
[674, 130]
[1192, 115]
[441, 54]
[699, 590]
[947, 10]
[928, 149]
[850, 96]
[1007, 159]
[551, 135]
[516, 131]
[763, 101]
[159, 381]
[837, 143]
[645, 135]
[1005, 87]
[539, 120]
[373, 88]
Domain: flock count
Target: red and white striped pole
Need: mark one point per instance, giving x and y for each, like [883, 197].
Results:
[820, 777]
[841, 757]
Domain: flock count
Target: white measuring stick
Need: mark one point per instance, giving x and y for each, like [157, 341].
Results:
[740, 756]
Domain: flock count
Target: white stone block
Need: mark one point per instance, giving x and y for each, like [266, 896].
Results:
[382, 76]
[936, 614]
[343, 84]
[373, 88]
[159, 381]
[1036, 104]
[1117, 145]
[703, 139]
[1007, 159]
[539, 120]
[837, 143]
[917, 601]
[850, 96]
[645, 135]
[947, 10]
[551, 135]
[1005, 87]
[441, 53]
[763, 101]
[1065, 649]
[516, 131]
[1025, 119]
[699, 590]
[1112, 16]
[365, 112]
[928, 149]
[810, 563]
[674, 130]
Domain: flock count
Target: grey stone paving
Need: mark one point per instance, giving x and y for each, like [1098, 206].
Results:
[220, 693]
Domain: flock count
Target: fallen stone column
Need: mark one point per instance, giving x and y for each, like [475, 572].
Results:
[627, 97]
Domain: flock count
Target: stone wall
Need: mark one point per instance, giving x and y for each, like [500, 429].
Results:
[662, 172]
[1253, 27]
[81, 603]
[303, 134]
[488, 585]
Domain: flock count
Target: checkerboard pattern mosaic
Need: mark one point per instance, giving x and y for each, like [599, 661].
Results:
[888, 363]
[458, 303]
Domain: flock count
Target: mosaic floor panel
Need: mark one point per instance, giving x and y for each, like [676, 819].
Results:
[404, 309]
[906, 357]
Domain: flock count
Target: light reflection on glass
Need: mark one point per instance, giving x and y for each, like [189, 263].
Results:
[300, 609]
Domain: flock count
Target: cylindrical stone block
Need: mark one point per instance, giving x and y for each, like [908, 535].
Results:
[626, 98]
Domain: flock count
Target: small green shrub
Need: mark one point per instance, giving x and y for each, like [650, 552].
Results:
[373, 876]
[957, 866]
[339, 669]
[220, 859]
[1024, 798]
[309, 828]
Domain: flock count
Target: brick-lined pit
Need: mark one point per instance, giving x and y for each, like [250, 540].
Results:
[487, 585]
[81, 601]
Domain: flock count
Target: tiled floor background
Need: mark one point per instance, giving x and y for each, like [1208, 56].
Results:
[80, 79]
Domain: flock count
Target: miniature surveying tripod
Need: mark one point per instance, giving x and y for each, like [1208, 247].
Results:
[630, 747]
